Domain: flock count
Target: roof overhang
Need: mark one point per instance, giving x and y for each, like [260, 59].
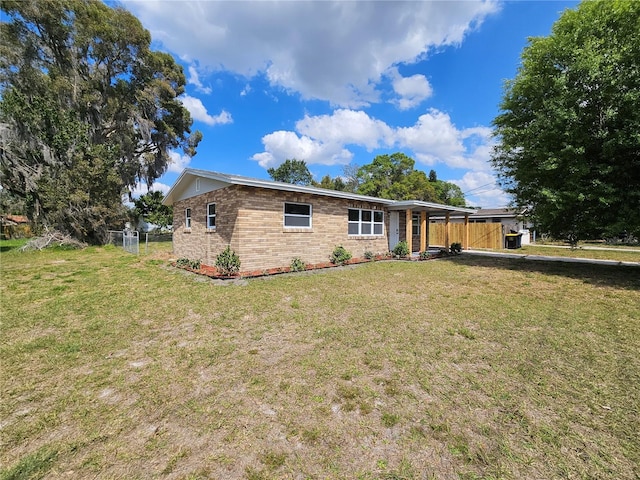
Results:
[431, 208]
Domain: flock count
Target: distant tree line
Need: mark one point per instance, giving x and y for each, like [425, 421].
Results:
[387, 176]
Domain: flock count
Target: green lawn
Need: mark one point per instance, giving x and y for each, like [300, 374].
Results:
[622, 254]
[117, 366]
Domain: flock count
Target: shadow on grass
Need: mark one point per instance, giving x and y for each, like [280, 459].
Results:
[617, 276]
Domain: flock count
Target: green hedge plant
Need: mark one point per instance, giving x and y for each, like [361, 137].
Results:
[401, 250]
[228, 262]
[340, 255]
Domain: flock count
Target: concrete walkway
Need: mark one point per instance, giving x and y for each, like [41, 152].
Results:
[592, 261]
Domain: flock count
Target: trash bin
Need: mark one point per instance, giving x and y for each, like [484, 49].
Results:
[513, 240]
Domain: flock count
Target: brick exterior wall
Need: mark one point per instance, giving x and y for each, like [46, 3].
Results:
[250, 220]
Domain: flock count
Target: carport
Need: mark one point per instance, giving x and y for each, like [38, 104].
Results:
[423, 210]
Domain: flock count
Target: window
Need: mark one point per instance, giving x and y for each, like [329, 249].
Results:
[187, 220]
[297, 215]
[415, 225]
[365, 222]
[211, 216]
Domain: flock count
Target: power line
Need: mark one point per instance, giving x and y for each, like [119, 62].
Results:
[478, 188]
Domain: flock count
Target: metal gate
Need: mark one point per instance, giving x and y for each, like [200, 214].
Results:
[131, 241]
[128, 239]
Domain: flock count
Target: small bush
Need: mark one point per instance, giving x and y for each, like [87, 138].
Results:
[424, 255]
[369, 255]
[297, 265]
[186, 263]
[401, 249]
[228, 263]
[340, 255]
[456, 248]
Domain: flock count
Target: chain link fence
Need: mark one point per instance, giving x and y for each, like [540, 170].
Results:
[135, 242]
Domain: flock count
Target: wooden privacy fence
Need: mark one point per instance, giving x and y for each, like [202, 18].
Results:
[481, 235]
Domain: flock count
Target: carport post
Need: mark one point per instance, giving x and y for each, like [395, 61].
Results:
[423, 231]
[409, 230]
[447, 229]
[466, 232]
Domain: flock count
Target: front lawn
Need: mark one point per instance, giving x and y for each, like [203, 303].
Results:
[117, 366]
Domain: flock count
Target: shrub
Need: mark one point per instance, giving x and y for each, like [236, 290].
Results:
[369, 255]
[424, 255]
[186, 263]
[228, 262]
[401, 249]
[340, 255]
[297, 265]
[456, 247]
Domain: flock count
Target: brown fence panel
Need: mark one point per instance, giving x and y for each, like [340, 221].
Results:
[481, 235]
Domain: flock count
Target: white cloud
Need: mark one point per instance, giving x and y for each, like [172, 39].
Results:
[281, 145]
[412, 91]
[433, 139]
[481, 190]
[178, 162]
[199, 112]
[141, 189]
[346, 127]
[329, 50]
[194, 79]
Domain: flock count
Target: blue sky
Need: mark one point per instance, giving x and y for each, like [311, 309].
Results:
[334, 83]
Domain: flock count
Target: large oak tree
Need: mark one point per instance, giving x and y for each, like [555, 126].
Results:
[394, 176]
[569, 127]
[87, 110]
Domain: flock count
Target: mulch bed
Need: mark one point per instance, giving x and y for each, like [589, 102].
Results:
[212, 271]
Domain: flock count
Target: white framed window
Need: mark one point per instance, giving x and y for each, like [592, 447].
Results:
[365, 222]
[187, 218]
[211, 216]
[297, 215]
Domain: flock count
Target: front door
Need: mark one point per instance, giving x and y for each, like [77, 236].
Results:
[394, 230]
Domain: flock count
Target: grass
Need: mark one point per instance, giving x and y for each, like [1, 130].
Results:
[617, 253]
[114, 365]
[622, 254]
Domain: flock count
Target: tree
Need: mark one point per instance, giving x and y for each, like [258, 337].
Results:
[393, 176]
[350, 175]
[449, 193]
[568, 131]
[292, 171]
[331, 183]
[87, 111]
[149, 206]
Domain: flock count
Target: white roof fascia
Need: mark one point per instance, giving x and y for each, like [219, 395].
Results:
[269, 184]
[418, 204]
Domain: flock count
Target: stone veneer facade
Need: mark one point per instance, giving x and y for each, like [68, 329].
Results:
[251, 221]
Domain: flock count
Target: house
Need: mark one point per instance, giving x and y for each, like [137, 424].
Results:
[14, 226]
[269, 223]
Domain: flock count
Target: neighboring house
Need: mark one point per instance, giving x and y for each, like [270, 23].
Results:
[14, 226]
[269, 223]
